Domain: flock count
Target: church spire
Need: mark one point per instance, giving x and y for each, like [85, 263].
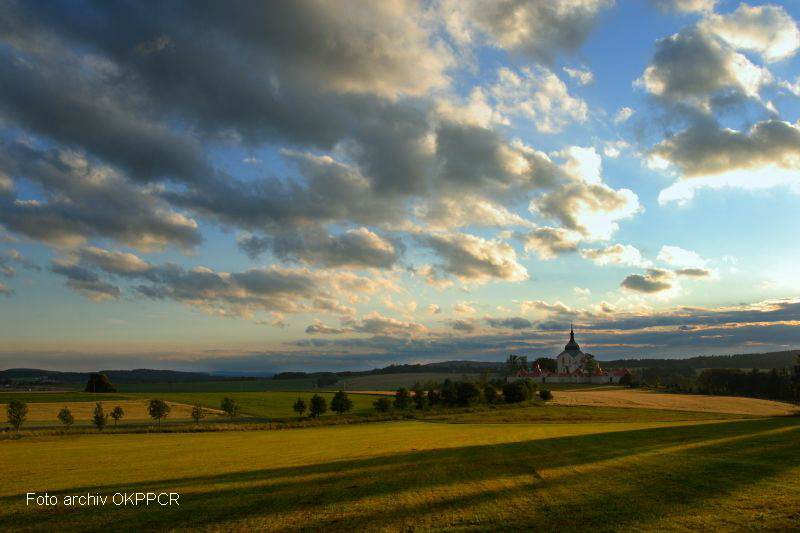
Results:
[572, 346]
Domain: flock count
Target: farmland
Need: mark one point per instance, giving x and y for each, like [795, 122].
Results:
[411, 475]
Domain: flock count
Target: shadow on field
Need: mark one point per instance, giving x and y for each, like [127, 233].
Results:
[598, 482]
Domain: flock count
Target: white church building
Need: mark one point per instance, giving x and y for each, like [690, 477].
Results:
[570, 368]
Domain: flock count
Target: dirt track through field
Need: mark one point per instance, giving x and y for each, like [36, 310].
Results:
[679, 402]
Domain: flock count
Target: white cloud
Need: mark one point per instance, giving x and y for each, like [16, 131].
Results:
[616, 254]
[583, 76]
[767, 30]
[680, 257]
[582, 292]
[623, 114]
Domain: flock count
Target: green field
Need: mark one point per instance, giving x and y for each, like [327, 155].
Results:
[259, 404]
[421, 476]
[50, 397]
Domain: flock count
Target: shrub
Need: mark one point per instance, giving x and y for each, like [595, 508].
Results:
[99, 383]
[99, 418]
[517, 391]
[545, 395]
[65, 417]
[402, 399]
[117, 413]
[341, 403]
[318, 406]
[16, 412]
[230, 407]
[382, 404]
[158, 409]
[420, 399]
[299, 407]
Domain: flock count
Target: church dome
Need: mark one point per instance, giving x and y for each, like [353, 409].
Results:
[572, 346]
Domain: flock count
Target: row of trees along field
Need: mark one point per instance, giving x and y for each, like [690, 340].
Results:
[776, 384]
[465, 393]
[317, 405]
[17, 413]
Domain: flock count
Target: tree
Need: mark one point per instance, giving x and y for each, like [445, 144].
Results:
[383, 404]
[230, 407]
[198, 413]
[490, 393]
[796, 379]
[158, 409]
[545, 395]
[402, 399]
[626, 380]
[299, 407]
[468, 393]
[99, 418]
[546, 363]
[515, 363]
[420, 398]
[117, 413]
[65, 417]
[590, 364]
[318, 406]
[99, 383]
[16, 412]
[341, 403]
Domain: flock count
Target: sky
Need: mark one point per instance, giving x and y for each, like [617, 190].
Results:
[315, 185]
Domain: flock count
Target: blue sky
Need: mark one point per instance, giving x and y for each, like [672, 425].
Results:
[308, 185]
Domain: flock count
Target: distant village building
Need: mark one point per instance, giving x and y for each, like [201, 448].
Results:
[570, 368]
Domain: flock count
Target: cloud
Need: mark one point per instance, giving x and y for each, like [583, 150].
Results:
[583, 76]
[515, 322]
[655, 281]
[85, 281]
[582, 292]
[358, 247]
[462, 325]
[434, 309]
[692, 66]
[85, 201]
[453, 212]
[767, 30]
[615, 254]
[694, 272]
[686, 6]
[549, 243]
[555, 309]
[5, 290]
[710, 156]
[680, 257]
[538, 30]
[538, 95]
[378, 324]
[474, 259]
[463, 308]
[623, 115]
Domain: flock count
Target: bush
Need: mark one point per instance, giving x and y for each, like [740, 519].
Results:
[341, 403]
[16, 412]
[517, 391]
[383, 404]
[420, 399]
[318, 406]
[545, 395]
[230, 407]
[65, 417]
[402, 399]
[468, 393]
[99, 383]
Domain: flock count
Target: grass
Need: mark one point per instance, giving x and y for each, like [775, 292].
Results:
[40, 414]
[270, 404]
[635, 476]
[58, 397]
[392, 382]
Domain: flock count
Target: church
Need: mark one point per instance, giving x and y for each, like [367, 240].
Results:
[570, 368]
